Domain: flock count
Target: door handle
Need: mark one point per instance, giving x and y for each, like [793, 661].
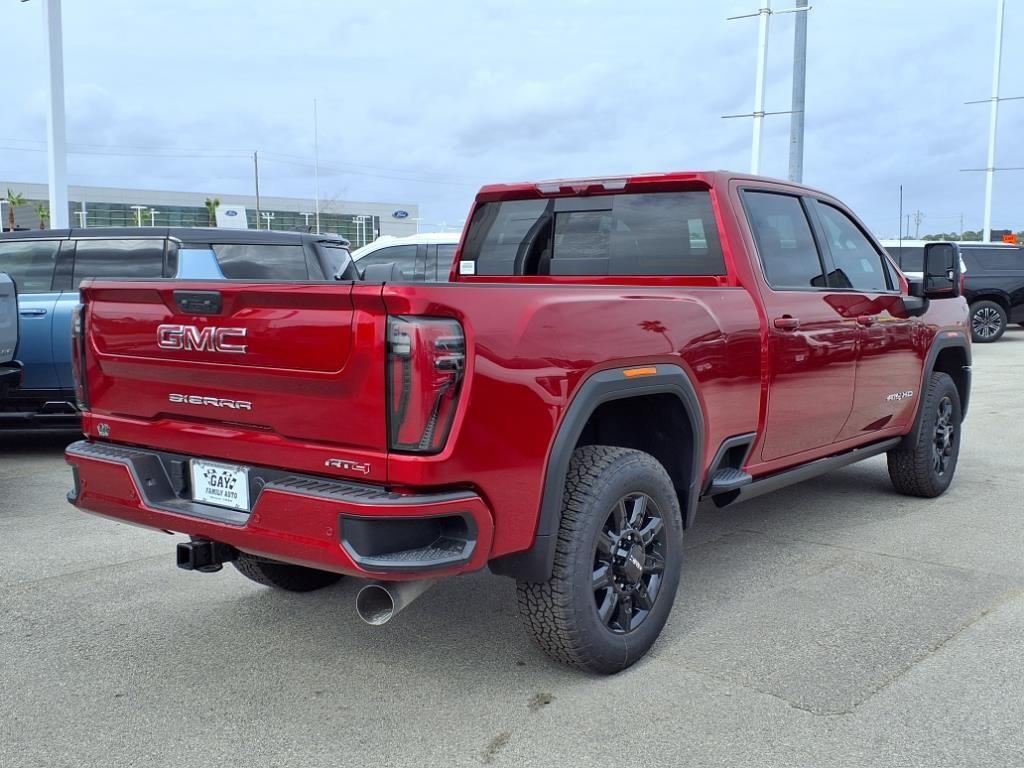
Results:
[32, 312]
[786, 323]
[866, 319]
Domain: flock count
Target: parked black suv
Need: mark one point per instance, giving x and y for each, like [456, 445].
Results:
[994, 283]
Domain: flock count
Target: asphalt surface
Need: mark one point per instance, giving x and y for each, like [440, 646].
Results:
[833, 623]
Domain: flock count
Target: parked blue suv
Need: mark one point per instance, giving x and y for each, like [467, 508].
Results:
[47, 267]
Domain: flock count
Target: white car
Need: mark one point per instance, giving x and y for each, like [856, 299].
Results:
[424, 257]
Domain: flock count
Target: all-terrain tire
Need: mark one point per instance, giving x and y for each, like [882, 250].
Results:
[291, 578]
[926, 467]
[988, 321]
[569, 615]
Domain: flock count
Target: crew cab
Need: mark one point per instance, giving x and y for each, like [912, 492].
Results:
[49, 266]
[607, 353]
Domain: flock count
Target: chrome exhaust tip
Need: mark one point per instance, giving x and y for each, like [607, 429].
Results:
[379, 602]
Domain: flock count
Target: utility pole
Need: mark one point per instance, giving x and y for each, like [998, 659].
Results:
[796, 120]
[759, 79]
[316, 166]
[256, 175]
[56, 133]
[918, 217]
[908, 226]
[961, 226]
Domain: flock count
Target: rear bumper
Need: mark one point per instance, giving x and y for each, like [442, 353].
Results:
[317, 522]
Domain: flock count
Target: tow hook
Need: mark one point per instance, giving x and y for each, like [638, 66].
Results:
[204, 555]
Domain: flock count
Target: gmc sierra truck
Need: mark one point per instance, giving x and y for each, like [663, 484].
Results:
[607, 353]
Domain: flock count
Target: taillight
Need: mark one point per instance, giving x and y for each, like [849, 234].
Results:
[426, 361]
[78, 356]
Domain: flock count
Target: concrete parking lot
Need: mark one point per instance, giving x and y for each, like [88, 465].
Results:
[832, 623]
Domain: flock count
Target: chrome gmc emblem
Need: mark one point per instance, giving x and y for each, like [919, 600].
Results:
[209, 339]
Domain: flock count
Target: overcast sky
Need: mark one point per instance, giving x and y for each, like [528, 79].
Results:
[425, 101]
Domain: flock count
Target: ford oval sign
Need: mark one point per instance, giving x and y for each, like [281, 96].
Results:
[401, 214]
[230, 212]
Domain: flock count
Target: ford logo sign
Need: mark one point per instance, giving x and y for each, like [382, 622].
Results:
[401, 214]
[230, 213]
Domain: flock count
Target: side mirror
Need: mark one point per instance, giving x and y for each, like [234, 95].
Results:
[941, 271]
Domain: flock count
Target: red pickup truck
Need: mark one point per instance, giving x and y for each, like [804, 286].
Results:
[607, 353]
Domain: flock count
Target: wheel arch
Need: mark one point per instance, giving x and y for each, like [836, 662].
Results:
[602, 398]
[950, 353]
[991, 294]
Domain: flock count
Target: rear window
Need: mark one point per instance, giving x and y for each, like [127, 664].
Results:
[994, 259]
[242, 261]
[664, 233]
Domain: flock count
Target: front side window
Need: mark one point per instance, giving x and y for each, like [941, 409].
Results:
[404, 256]
[785, 245]
[856, 262]
[909, 257]
[244, 261]
[662, 233]
[118, 260]
[30, 264]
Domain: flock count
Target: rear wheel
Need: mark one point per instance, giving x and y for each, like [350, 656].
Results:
[291, 578]
[617, 562]
[926, 468]
[988, 321]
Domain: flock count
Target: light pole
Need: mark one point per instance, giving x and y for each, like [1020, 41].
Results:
[267, 217]
[762, 67]
[138, 213]
[360, 229]
[316, 166]
[56, 134]
[2, 201]
[152, 216]
[305, 215]
[82, 215]
[993, 118]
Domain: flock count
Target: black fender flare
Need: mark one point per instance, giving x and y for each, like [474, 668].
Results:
[945, 339]
[535, 563]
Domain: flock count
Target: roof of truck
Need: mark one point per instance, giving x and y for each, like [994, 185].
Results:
[613, 182]
[184, 234]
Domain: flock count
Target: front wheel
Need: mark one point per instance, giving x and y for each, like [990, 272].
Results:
[988, 321]
[617, 562]
[926, 468]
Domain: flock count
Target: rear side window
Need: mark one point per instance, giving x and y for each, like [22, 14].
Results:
[785, 245]
[909, 257]
[995, 259]
[30, 264]
[445, 257]
[665, 233]
[118, 260]
[404, 256]
[857, 264]
[244, 261]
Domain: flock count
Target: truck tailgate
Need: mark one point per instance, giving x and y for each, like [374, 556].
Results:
[299, 362]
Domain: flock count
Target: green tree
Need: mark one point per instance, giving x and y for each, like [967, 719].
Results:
[44, 215]
[211, 210]
[13, 201]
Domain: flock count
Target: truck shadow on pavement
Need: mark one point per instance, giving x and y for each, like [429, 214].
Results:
[36, 443]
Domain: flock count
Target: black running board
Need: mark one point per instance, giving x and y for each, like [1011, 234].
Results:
[803, 472]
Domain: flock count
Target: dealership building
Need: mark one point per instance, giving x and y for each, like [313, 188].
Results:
[360, 222]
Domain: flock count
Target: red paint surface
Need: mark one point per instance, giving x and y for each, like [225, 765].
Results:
[315, 374]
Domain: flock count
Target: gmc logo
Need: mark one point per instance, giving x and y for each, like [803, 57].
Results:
[209, 339]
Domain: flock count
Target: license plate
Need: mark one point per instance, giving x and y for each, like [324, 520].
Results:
[224, 485]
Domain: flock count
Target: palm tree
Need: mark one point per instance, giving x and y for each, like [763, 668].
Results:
[211, 211]
[13, 201]
[44, 214]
